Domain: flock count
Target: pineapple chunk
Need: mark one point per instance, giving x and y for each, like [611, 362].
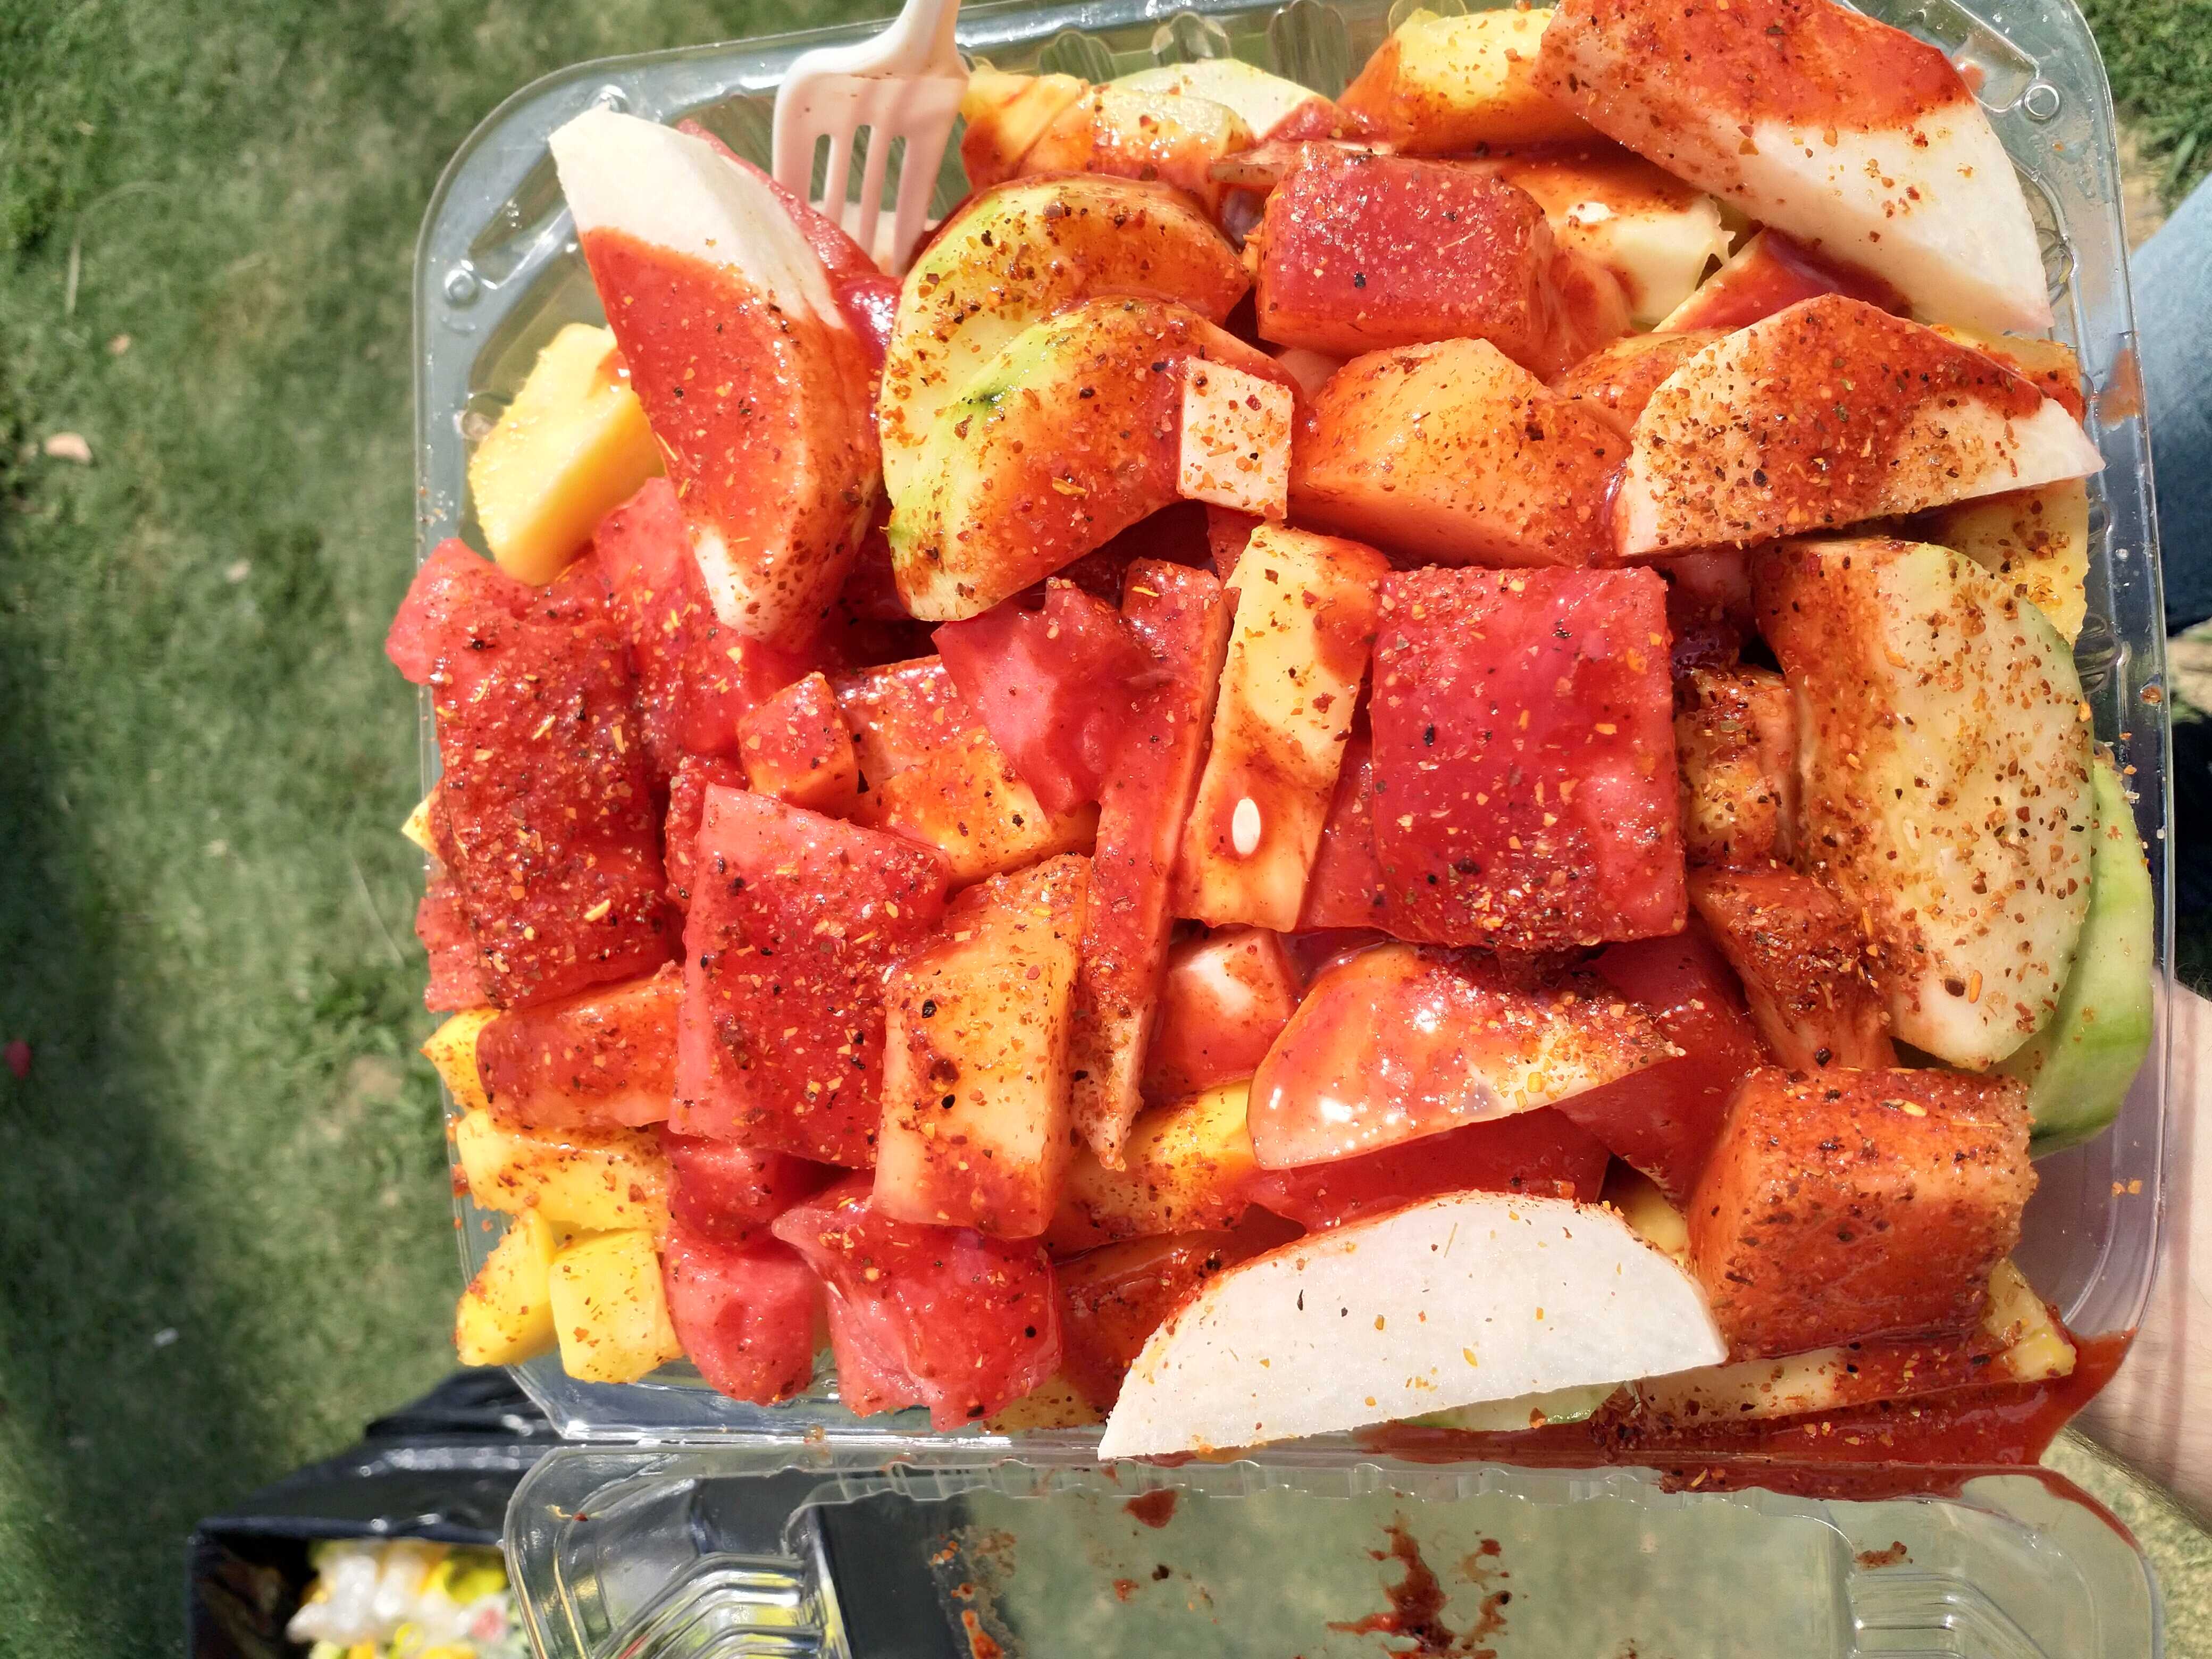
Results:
[1006, 115]
[573, 446]
[610, 1309]
[965, 798]
[1443, 85]
[2016, 1341]
[976, 1071]
[2037, 540]
[1184, 1168]
[506, 1315]
[451, 1050]
[1647, 1211]
[592, 1180]
[1236, 443]
[1297, 652]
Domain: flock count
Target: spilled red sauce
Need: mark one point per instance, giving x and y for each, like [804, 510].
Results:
[981, 1643]
[1416, 1602]
[1155, 1507]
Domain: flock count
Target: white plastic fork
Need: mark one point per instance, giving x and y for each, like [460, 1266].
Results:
[904, 83]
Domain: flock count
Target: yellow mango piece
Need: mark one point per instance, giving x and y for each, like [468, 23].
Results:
[506, 1315]
[610, 1309]
[1647, 1211]
[1054, 1403]
[451, 1050]
[572, 446]
[592, 1180]
[1184, 1168]
[416, 828]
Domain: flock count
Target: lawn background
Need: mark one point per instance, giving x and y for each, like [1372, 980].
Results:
[224, 1237]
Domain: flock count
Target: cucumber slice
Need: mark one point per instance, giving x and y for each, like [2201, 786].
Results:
[1528, 1411]
[2080, 1066]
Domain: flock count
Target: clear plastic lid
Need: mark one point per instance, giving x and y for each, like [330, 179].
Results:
[798, 1550]
[498, 271]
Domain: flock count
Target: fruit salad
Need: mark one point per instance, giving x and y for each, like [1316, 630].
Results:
[1411, 758]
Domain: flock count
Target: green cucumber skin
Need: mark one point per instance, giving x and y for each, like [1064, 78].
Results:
[2080, 1067]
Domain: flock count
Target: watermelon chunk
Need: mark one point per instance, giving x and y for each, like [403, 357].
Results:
[795, 922]
[1525, 783]
[744, 1314]
[1181, 618]
[697, 675]
[1544, 1152]
[1344, 889]
[457, 971]
[545, 813]
[687, 801]
[1664, 1119]
[797, 749]
[1052, 686]
[941, 1316]
[728, 1192]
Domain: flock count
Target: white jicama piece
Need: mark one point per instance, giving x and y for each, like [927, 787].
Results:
[1236, 443]
[1826, 414]
[1263, 101]
[1465, 1298]
[1841, 131]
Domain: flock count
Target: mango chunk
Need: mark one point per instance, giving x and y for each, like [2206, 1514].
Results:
[573, 446]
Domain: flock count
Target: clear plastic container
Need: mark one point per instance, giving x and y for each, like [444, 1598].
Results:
[826, 1551]
[498, 270]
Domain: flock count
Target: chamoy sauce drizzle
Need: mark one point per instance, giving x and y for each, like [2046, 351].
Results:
[1931, 1445]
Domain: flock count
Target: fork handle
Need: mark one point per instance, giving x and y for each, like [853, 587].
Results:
[920, 40]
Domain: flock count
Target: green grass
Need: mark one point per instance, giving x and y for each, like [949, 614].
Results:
[204, 912]
[204, 908]
[2159, 54]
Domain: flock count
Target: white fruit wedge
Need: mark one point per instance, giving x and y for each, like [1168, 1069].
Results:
[1847, 133]
[1267, 103]
[1654, 232]
[1469, 1298]
[754, 386]
[1825, 415]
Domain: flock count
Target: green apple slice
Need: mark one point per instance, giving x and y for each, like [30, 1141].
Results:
[1945, 769]
[1021, 253]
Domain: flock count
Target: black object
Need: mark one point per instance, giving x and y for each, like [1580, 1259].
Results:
[442, 1468]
